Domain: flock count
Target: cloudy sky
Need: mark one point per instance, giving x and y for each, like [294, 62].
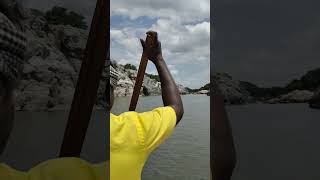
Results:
[183, 27]
[184, 31]
[267, 42]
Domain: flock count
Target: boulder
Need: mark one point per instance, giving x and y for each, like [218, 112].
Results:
[71, 40]
[232, 90]
[315, 100]
[53, 60]
[150, 86]
[202, 92]
[296, 96]
[40, 26]
[183, 90]
[34, 97]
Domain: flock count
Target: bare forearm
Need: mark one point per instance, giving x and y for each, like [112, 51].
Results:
[170, 93]
[223, 155]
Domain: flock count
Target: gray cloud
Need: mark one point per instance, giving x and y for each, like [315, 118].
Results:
[267, 42]
[184, 31]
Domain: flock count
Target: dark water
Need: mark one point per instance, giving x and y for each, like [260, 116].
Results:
[37, 136]
[276, 142]
[185, 155]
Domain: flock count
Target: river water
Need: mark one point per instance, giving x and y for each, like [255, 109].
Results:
[185, 155]
[37, 136]
[278, 142]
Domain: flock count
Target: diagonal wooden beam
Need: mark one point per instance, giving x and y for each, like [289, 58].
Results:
[140, 75]
[85, 94]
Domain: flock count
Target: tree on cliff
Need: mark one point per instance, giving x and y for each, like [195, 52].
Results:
[205, 87]
[130, 66]
[309, 81]
[60, 15]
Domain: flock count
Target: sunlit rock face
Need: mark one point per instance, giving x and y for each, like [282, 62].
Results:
[232, 89]
[52, 63]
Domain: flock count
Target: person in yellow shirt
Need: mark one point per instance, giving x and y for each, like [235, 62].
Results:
[133, 135]
[12, 47]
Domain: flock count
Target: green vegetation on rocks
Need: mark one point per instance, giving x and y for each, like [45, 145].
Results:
[310, 81]
[205, 87]
[59, 15]
[130, 66]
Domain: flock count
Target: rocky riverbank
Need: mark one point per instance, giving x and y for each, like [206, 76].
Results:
[233, 91]
[151, 85]
[304, 90]
[315, 100]
[53, 60]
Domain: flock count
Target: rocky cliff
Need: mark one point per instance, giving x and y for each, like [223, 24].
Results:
[295, 96]
[53, 59]
[302, 90]
[315, 100]
[240, 92]
[151, 85]
[232, 89]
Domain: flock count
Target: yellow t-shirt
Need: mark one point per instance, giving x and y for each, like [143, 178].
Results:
[59, 169]
[134, 136]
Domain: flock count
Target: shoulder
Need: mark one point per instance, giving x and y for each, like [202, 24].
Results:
[60, 168]
[7, 172]
[167, 110]
[67, 168]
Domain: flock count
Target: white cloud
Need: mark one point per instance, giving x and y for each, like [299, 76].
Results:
[174, 71]
[183, 29]
[183, 43]
[186, 11]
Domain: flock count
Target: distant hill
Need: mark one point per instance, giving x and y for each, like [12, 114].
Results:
[310, 81]
[205, 87]
[301, 90]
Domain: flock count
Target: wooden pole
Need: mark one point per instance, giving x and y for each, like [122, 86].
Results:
[140, 76]
[88, 82]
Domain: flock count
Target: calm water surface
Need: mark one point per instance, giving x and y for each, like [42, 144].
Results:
[37, 136]
[278, 142]
[185, 155]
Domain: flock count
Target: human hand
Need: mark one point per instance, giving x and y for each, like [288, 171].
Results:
[152, 46]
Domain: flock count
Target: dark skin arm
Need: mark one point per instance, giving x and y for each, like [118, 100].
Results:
[223, 154]
[6, 111]
[170, 93]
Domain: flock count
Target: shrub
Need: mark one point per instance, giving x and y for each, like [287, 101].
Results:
[130, 66]
[60, 15]
[154, 77]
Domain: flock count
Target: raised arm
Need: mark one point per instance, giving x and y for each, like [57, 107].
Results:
[170, 93]
[223, 154]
